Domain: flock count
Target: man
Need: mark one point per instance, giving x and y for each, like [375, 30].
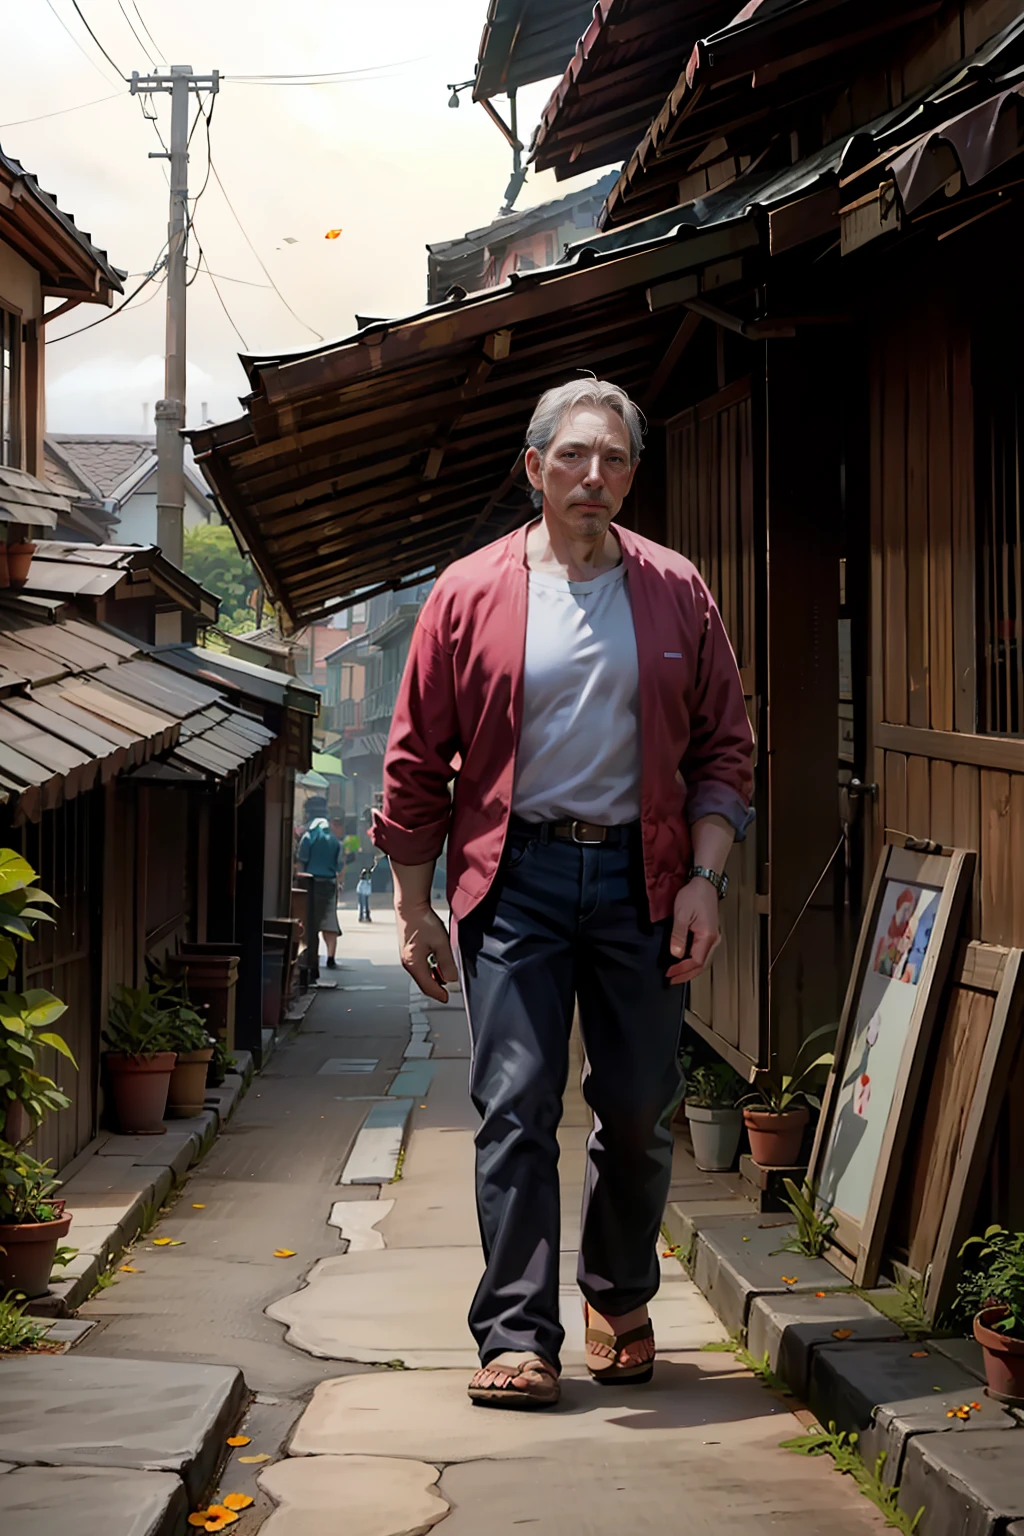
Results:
[581, 678]
[320, 856]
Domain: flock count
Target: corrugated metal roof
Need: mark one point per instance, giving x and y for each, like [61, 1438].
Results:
[527, 40]
[79, 705]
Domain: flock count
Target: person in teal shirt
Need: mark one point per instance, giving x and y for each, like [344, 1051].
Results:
[320, 856]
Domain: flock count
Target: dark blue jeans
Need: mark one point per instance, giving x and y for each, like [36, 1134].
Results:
[565, 922]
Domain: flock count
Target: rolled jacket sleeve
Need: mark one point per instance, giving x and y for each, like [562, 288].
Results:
[718, 767]
[422, 743]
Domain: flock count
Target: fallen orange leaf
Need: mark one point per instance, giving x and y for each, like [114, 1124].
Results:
[919, 1354]
[332, 234]
[951, 1413]
[127, 1269]
[168, 1242]
[236, 1501]
[284, 1253]
[976, 1406]
[218, 1512]
[240, 1440]
[842, 1333]
[198, 1519]
[789, 1279]
[198, 1207]
[251, 1461]
[820, 1295]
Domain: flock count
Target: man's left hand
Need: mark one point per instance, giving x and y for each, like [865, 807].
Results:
[695, 931]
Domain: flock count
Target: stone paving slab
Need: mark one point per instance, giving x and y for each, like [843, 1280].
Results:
[414, 1080]
[968, 1486]
[360, 1495]
[88, 1501]
[887, 1392]
[357, 1221]
[375, 1153]
[967, 1353]
[790, 1328]
[428, 1415]
[85, 1410]
[735, 1260]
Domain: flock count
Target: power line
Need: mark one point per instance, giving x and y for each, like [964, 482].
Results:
[220, 296]
[78, 44]
[99, 45]
[259, 258]
[51, 340]
[244, 281]
[148, 33]
[138, 39]
[21, 121]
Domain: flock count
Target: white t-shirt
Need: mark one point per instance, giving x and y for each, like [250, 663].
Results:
[579, 748]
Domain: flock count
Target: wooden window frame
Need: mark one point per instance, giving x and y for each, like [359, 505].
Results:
[12, 317]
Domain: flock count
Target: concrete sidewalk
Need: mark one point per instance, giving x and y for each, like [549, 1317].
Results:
[354, 1346]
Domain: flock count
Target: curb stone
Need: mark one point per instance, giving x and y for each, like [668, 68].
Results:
[968, 1487]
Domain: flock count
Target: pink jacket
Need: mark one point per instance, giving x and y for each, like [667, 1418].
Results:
[460, 703]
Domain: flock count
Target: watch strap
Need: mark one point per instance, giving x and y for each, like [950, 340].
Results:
[720, 882]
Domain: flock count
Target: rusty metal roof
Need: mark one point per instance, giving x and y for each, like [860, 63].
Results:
[624, 66]
[373, 462]
[526, 40]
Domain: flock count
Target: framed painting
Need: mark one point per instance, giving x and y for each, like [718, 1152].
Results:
[907, 943]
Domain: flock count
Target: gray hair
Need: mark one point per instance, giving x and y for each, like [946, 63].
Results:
[555, 404]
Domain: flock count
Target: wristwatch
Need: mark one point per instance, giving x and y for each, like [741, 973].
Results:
[720, 882]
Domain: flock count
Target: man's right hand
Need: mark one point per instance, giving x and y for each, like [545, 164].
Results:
[421, 934]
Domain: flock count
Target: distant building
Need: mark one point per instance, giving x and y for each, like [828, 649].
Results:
[111, 480]
[517, 242]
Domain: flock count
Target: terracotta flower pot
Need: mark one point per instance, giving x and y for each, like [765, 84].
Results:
[775, 1139]
[140, 1091]
[1004, 1357]
[5, 575]
[28, 1250]
[19, 562]
[187, 1093]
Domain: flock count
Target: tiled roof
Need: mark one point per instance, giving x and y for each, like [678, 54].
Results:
[105, 460]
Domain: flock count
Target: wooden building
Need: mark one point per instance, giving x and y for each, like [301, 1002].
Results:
[788, 282]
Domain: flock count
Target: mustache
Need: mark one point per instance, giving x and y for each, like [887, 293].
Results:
[601, 501]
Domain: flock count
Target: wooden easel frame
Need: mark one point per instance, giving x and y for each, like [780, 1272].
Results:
[856, 1249]
[986, 968]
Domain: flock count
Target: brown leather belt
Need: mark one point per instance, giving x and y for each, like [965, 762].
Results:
[585, 833]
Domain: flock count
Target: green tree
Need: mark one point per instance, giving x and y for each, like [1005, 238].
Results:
[212, 558]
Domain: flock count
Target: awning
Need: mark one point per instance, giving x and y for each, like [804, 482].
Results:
[236, 677]
[327, 764]
[524, 41]
[373, 462]
[24, 499]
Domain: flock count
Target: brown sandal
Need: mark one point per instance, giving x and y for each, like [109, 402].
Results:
[541, 1389]
[629, 1375]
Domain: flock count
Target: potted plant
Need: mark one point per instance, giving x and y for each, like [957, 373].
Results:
[140, 1060]
[19, 561]
[716, 1123]
[221, 1063]
[26, 1093]
[776, 1112]
[991, 1291]
[187, 1033]
[32, 1222]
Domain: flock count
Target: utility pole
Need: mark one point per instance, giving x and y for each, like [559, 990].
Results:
[181, 82]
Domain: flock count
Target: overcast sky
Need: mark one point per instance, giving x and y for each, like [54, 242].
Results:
[384, 159]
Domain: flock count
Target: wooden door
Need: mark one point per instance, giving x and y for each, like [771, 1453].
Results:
[710, 519]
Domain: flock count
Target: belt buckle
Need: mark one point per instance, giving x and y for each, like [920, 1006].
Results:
[585, 842]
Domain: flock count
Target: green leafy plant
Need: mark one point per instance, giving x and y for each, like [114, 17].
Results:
[27, 1187]
[714, 1086]
[815, 1223]
[904, 1303]
[993, 1276]
[762, 1368]
[24, 1021]
[212, 557]
[21, 905]
[135, 1025]
[185, 1025]
[842, 1447]
[776, 1092]
[16, 1330]
[64, 1255]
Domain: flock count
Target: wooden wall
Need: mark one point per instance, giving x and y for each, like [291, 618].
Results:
[938, 777]
[710, 519]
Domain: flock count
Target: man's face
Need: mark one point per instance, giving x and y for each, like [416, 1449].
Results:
[585, 471]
